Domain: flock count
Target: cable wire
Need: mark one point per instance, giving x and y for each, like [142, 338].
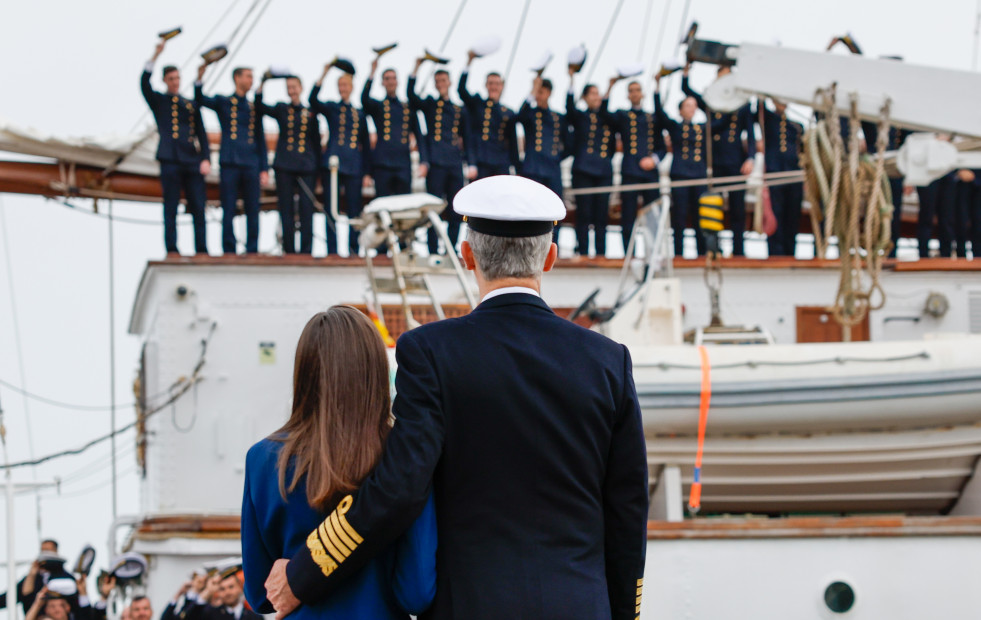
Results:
[602, 45]
[517, 39]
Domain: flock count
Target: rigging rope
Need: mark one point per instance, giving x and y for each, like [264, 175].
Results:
[660, 39]
[517, 39]
[236, 45]
[645, 26]
[442, 46]
[602, 45]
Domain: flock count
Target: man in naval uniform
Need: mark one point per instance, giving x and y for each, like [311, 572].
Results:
[297, 156]
[348, 140]
[493, 125]
[182, 151]
[243, 160]
[781, 143]
[643, 148]
[394, 123]
[227, 589]
[546, 139]
[525, 427]
[729, 157]
[687, 163]
[449, 146]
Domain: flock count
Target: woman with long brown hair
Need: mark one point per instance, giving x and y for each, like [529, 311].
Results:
[294, 478]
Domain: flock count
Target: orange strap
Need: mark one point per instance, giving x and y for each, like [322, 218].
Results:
[695, 497]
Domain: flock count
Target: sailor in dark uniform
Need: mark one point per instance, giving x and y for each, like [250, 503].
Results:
[297, 156]
[643, 149]
[730, 157]
[226, 586]
[593, 144]
[688, 162]
[348, 140]
[546, 139]
[781, 141]
[449, 146]
[558, 529]
[243, 159]
[394, 123]
[937, 213]
[896, 139]
[182, 151]
[493, 126]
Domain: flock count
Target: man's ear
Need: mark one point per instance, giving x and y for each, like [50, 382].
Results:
[466, 252]
[551, 257]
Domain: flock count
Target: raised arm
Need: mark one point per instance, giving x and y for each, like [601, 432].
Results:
[415, 101]
[625, 504]
[468, 99]
[686, 88]
[260, 106]
[370, 106]
[200, 99]
[571, 112]
[145, 87]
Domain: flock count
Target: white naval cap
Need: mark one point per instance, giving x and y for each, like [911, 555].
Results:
[509, 206]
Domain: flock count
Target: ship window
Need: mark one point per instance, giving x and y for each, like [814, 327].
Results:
[839, 597]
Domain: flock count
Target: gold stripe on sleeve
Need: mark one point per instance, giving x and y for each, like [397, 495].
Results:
[339, 552]
[320, 557]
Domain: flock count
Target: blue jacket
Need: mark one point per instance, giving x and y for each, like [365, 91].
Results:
[687, 144]
[298, 145]
[493, 128]
[539, 469]
[641, 136]
[448, 140]
[243, 143]
[394, 122]
[183, 139]
[593, 141]
[347, 135]
[402, 580]
[896, 137]
[546, 140]
[781, 141]
[727, 132]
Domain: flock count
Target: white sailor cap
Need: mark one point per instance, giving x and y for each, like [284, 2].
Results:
[62, 587]
[486, 45]
[509, 206]
[577, 58]
[630, 69]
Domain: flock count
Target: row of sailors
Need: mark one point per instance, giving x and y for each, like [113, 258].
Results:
[475, 140]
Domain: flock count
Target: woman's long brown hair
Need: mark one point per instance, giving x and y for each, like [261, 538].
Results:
[341, 406]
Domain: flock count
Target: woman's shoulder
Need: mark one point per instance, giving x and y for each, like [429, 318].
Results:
[264, 450]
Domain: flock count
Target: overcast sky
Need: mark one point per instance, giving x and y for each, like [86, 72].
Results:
[71, 68]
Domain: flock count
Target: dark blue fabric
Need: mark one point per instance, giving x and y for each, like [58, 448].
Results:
[546, 137]
[785, 200]
[641, 136]
[401, 579]
[727, 131]
[781, 141]
[491, 170]
[394, 123]
[493, 125]
[528, 429]
[737, 207]
[592, 211]
[350, 194]
[937, 211]
[243, 143]
[182, 137]
[448, 126]
[239, 181]
[593, 139]
[687, 144]
[298, 145]
[445, 182]
[392, 181]
[630, 203]
[684, 214]
[347, 135]
[173, 179]
[291, 194]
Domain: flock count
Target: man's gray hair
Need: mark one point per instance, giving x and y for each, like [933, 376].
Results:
[509, 257]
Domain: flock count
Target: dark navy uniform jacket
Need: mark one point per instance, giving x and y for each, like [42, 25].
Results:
[493, 128]
[394, 122]
[183, 139]
[401, 579]
[781, 140]
[530, 430]
[896, 137]
[592, 138]
[546, 140]
[687, 144]
[298, 145]
[448, 141]
[641, 136]
[347, 135]
[727, 132]
[243, 143]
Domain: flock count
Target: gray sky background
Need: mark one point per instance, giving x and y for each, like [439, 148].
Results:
[71, 69]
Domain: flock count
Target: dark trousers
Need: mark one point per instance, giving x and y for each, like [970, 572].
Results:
[896, 187]
[392, 181]
[968, 219]
[785, 200]
[591, 210]
[444, 182]
[685, 205]
[629, 205]
[737, 209]
[173, 179]
[492, 170]
[290, 192]
[349, 188]
[239, 181]
[554, 183]
[936, 203]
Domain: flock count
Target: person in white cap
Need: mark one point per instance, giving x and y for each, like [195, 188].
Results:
[528, 431]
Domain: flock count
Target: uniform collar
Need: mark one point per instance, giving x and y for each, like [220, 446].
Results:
[510, 289]
[512, 299]
[236, 611]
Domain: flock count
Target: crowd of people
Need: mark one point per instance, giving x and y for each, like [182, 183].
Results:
[478, 137]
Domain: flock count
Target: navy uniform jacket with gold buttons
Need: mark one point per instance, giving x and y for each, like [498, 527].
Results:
[243, 143]
[546, 137]
[347, 135]
[493, 128]
[394, 122]
[298, 145]
[528, 429]
[641, 136]
[727, 132]
[592, 138]
[687, 144]
[183, 139]
[781, 140]
[448, 141]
